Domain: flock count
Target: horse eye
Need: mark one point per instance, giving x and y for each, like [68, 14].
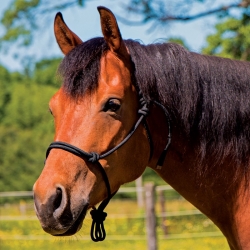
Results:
[50, 111]
[112, 105]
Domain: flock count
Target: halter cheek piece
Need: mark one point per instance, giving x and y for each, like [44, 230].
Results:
[98, 232]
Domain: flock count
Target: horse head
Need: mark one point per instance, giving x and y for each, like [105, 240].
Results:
[94, 120]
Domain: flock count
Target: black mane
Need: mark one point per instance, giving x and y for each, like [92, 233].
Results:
[80, 68]
[208, 96]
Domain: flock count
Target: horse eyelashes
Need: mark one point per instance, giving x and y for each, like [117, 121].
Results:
[112, 105]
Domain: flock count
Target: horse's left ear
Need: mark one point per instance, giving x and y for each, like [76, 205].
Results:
[111, 32]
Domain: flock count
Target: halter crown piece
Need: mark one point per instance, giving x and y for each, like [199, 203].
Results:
[98, 232]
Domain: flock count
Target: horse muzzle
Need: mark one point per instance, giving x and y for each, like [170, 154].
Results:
[55, 212]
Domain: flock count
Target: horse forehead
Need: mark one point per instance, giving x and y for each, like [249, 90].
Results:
[62, 103]
[59, 99]
[53, 103]
[114, 78]
[114, 71]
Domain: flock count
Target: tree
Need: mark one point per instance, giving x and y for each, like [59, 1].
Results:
[45, 70]
[26, 126]
[162, 11]
[231, 38]
[5, 86]
[21, 19]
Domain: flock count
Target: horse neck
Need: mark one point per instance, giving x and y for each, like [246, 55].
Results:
[216, 196]
[215, 192]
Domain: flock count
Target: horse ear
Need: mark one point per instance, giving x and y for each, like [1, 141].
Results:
[111, 31]
[66, 39]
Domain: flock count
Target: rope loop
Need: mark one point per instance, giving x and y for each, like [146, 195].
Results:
[94, 157]
[144, 110]
[98, 232]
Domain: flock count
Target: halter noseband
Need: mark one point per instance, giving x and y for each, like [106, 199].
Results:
[98, 232]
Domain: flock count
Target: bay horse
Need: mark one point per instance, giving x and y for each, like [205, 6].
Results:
[120, 104]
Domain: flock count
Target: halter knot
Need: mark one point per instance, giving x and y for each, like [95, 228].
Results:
[98, 215]
[98, 232]
[94, 157]
[144, 110]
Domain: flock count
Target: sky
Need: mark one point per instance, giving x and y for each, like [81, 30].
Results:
[85, 22]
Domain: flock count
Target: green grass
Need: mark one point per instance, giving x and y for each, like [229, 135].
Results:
[185, 244]
[184, 232]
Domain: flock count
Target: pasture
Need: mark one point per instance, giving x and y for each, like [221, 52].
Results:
[125, 227]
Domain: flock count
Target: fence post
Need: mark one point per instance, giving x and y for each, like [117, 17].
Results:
[139, 192]
[163, 212]
[22, 207]
[150, 216]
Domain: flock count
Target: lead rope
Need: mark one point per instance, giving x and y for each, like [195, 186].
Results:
[98, 215]
[97, 232]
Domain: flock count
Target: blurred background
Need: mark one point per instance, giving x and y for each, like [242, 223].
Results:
[29, 57]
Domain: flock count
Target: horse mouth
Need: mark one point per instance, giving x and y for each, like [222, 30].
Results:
[77, 224]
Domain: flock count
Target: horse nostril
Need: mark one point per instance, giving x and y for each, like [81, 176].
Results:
[58, 198]
[60, 202]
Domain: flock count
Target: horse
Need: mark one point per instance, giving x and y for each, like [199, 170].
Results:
[124, 106]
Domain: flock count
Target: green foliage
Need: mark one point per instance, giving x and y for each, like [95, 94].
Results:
[5, 90]
[26, 127]
[6, 82]
[231, 38]
[150, 175]
[24, 136]
[45, 72]
[26, 108]
[22, 19]
[178, 40]
[17, 8]
[16, 21]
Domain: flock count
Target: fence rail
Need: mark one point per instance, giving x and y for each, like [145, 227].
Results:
[161, 216]
[17, 194]
[111, 216]
[121, 190]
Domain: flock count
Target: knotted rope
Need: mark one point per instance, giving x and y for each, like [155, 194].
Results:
[98, 232]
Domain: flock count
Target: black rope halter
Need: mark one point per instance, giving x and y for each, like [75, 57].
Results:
[98, 232]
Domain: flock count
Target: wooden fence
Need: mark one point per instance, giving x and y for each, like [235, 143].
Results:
[147, 198]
